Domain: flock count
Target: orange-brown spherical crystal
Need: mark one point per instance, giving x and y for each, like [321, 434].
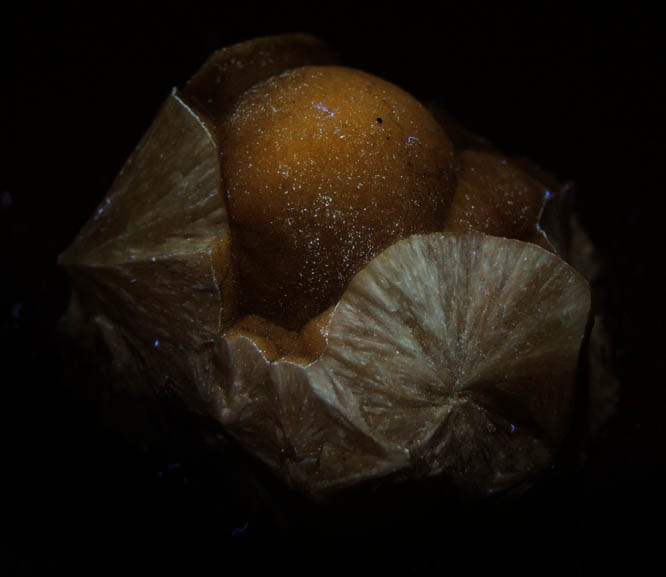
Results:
[495, 196]
[324, 167]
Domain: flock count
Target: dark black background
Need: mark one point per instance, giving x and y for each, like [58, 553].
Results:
[576, 91]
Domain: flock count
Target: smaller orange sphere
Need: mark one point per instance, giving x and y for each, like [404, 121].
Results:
[323, 168]
[495, 196]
